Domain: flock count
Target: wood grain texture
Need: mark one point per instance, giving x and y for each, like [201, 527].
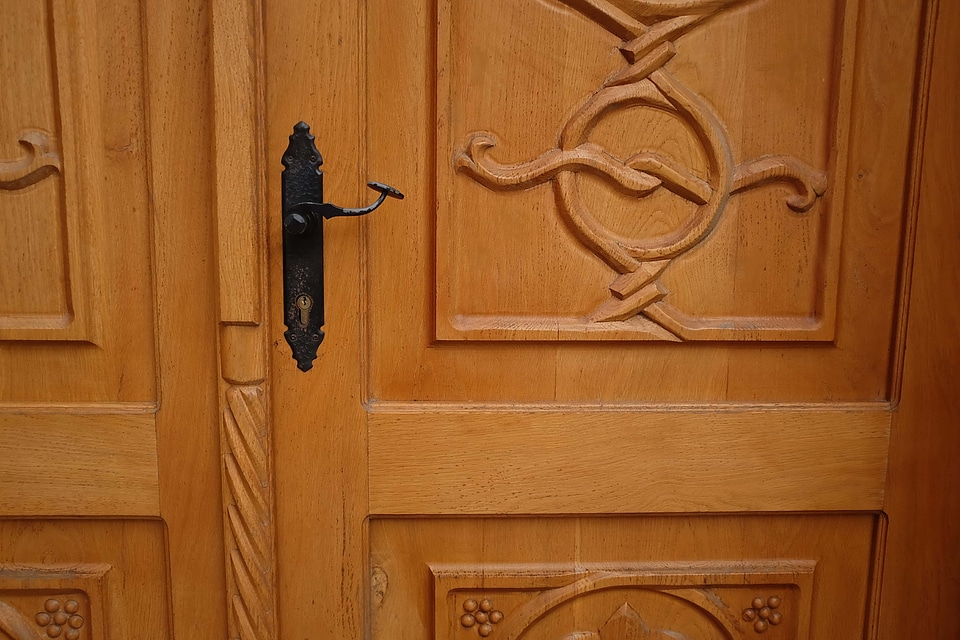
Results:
[84, 465]
[180, 129]
[246, 437]
[315, 56]
[624, 462]
[250, 539]
[923, 488]
[237, 59]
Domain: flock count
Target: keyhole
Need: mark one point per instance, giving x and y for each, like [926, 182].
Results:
[304, 303]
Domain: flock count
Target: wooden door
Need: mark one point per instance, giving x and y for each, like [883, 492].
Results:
[626, 361]
[661, 342]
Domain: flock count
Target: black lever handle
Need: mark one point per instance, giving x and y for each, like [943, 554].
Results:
[303, 217]
[303, 214]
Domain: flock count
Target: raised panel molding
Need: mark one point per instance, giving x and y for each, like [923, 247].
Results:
[639, 305]
[653, 601]
[48, 224]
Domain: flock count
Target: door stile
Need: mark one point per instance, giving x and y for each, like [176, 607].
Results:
[246, 437]
[313, 73]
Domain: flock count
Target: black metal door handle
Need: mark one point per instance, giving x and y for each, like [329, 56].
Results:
[303, 214]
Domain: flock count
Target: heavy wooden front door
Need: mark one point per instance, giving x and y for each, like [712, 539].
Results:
[661, 342]
[625, 362]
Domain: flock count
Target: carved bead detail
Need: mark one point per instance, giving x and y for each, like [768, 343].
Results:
[480, 615]
[763, 613]
[56, 616]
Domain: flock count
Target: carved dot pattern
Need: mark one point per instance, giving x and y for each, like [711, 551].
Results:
[763, 613]
[480, 616]
[60, 620]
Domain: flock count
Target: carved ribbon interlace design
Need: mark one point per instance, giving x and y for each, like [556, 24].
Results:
[648, 29]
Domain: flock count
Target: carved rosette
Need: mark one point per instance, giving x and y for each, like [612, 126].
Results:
[56, 617]
[648, 30]
[481, 616]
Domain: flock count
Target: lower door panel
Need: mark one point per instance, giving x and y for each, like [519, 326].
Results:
[623, 578]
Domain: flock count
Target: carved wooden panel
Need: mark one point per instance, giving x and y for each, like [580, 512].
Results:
[660, 173]
[76, 299]
[82, 579]
[684, 601]
[44, 277]
[679, 178]
[621, 578]
[53, 602]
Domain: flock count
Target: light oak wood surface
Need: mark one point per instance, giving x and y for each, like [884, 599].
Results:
[660, 344]
[109, 463]
[627, 462]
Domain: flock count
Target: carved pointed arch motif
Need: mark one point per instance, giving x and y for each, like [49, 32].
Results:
[649, 30]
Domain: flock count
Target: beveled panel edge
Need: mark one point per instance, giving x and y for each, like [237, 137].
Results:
[912, 191]
[621, 462]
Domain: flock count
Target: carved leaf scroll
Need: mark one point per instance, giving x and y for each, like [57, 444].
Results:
[40, 159]
[648, 29]
[16, 625]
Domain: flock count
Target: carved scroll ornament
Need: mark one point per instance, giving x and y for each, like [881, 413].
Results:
[648, 29]
[40, 159]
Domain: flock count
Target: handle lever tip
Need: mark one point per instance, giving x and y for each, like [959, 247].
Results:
[386, 190]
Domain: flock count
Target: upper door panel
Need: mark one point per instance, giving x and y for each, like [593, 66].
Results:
[637, 201]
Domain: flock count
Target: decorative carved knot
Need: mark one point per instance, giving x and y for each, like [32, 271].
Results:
[626, 624]
[55, 617]
[649, 42]
[763, 614]
[480, 615]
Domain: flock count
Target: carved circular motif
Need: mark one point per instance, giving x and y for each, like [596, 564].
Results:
[762, 613]
[481, 616]
[56, 616]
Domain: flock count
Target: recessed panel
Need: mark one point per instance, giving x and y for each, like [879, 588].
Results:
[639, 171]
[681, 578]
[76, 289]
[35, 286]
